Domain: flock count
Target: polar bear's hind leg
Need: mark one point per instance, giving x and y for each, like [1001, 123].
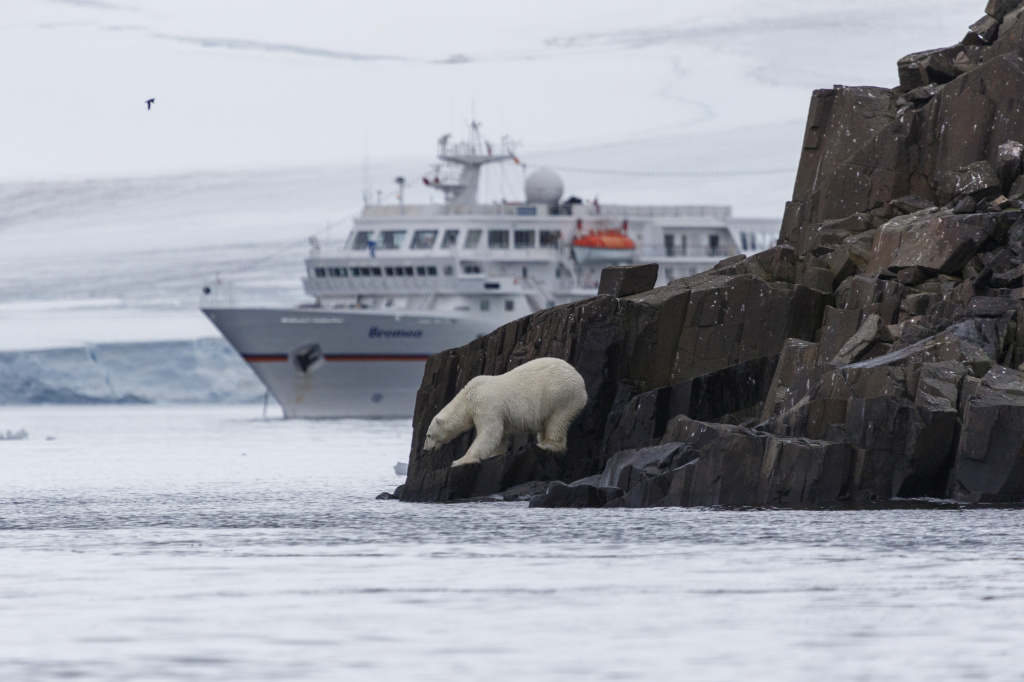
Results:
[554, 438]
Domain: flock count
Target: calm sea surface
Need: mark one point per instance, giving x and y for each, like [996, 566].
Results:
[208, 544]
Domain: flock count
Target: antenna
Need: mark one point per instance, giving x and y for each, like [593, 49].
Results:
[465, 158]
[367, 191]
[400, 181]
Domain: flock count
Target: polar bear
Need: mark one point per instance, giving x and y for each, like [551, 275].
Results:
[543, 396]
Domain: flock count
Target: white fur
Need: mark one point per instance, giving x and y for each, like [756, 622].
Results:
[543, 396]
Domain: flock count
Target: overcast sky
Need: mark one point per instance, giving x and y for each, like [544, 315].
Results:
[243, 84]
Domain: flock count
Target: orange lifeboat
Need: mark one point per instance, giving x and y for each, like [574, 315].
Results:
[603, 246]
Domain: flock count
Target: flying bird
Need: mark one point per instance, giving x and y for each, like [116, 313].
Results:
[149, 104]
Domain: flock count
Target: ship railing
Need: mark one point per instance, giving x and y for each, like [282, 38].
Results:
[511, 252]
[688, 252]
[389, 210]
[681, 211]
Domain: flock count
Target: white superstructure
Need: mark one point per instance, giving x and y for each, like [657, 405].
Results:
[411, 281]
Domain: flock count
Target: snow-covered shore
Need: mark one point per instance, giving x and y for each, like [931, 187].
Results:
[198, 371]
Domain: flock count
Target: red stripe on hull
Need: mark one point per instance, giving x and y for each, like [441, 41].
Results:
[343, 358]
[376, 358]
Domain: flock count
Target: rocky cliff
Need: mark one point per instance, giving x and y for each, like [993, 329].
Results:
[873, 354]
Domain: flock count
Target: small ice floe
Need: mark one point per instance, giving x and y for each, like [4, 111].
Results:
[402, 468]
[20, 434]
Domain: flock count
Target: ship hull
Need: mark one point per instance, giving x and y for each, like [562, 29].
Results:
[354, 363]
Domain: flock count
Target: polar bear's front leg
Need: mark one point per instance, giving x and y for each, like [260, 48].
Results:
[488, 443]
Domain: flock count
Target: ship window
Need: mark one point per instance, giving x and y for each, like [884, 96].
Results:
[497, 239]
[450, 237]
[361, 241]
[389, 272]
[492, 285]
[355, 272]
[670, 244]
[392, 239]
[550, 238]
[682, 245]
[525, 239]
[408, 271]
[320, 272]
[334, 272]
[399, 272]
[485, 304]
[743, 240]
[421, 271]
[510, 304]
[432, 271]
[376, 272]
[712, 244]
[471, 268]
[423, 239]
[472, 239]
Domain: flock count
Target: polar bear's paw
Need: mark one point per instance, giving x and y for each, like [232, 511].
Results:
[465, 459]
[552, 445]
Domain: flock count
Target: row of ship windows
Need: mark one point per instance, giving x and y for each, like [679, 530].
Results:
[406, 271]
[426, 239]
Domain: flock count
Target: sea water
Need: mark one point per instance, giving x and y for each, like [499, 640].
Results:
[198, 543]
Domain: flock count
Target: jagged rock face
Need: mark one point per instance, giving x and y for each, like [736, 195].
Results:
[622, 347]
[875, 353]
[939, 242]
[619, 280]
[867, 146]
[990, 453]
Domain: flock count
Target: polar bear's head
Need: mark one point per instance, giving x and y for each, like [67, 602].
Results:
[435, 434]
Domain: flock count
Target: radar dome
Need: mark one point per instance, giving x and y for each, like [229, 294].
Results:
[543, 186]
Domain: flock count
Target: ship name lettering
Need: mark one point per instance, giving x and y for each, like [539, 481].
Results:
[377, 333]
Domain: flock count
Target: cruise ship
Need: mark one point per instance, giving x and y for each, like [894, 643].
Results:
[412, 280]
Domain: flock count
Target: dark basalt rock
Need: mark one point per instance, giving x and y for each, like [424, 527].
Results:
[977, 180]
[735, 392]
[740, 467]
[874, 354]
[897, 153]
[982, 32]
[997, 9]
[626, 280]
[628, 468]
[1009, 163]
[928, 67]
[622, 347]
[581, 496]
[990, 454]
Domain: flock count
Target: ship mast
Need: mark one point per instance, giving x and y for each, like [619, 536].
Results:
[470, 155]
